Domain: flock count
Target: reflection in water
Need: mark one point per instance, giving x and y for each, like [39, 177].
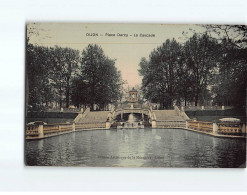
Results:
[40, 144]
[137, 148]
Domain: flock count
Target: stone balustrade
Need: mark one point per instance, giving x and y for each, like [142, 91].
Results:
[201, 126]
[99, 125]
[47, 130]
[228, 129]
[32, 131]
[170, 124]
[231, 129]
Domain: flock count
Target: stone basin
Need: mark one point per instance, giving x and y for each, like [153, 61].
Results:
[231, 120]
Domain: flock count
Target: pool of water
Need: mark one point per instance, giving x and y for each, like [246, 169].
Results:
[136, 148]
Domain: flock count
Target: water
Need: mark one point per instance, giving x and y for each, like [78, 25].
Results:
[131, 118]
[131, 123]
[137, 148]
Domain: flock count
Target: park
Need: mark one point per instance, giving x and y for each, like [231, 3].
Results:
[188, 111]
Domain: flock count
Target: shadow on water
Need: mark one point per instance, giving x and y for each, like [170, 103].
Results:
[137, 148]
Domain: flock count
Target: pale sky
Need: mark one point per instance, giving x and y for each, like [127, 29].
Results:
[126, 50]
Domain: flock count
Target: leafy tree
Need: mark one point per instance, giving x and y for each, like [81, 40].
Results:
[185, 82]
[201, 55]
[231, 79]
[39, 88]
[79, 92]
[49, 74]
[102, 77]
[64, 64]
[234, 35]
[159, 83]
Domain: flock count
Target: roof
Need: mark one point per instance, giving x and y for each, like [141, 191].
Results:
[133, 90]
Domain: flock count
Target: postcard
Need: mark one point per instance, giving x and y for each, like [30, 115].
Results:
[135, 95]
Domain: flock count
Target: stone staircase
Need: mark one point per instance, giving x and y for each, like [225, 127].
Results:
[92, 120]
[169, 118]
[94, 117]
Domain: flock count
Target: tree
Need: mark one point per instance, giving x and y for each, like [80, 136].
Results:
[235, 35]
[49, 72]
[79, 92]
[201, 54]
[159, 83]
[102, 77]
[185, 82]
[37, 62]
[231, 80]
[64, 64]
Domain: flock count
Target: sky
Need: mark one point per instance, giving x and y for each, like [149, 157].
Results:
[122, 42]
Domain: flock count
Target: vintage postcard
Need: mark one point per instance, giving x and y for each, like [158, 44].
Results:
[135, 95]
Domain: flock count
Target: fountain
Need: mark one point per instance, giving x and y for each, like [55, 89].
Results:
[131, 123]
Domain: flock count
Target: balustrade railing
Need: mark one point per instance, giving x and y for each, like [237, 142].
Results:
[32, 131]
[170, 124]
[99, 125]
[201, 126]
[230, 129]
[236, 129]
[41, 131]
[191, 108]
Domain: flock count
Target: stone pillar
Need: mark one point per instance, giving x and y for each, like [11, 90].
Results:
[41, 131]
[244, 129]
[107, 125]
[203, 107]
[81, 110]
[142, 116]
[61, 110]
[187, 125]
[222, 107]
[154, 124]
[73, 126]
[121, 115]
[215, 128]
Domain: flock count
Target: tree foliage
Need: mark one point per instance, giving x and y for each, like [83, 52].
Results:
[230, 83]
[200, 54]
[160, 81]
[102, 77]
[201, 70]
[61, 75]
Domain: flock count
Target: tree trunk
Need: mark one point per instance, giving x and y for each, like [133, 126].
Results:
[67, 98]
[67, 92]
[196, 99]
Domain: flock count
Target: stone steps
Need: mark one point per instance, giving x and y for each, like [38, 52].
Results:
[168, 118]
[167, 115]
[95, 117]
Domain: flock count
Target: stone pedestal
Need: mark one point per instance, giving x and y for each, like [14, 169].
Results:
[107, 125]
[215, 129]
[187, 125]
[244, 129]
[154, 124]
[41, 131]
[73, 127]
